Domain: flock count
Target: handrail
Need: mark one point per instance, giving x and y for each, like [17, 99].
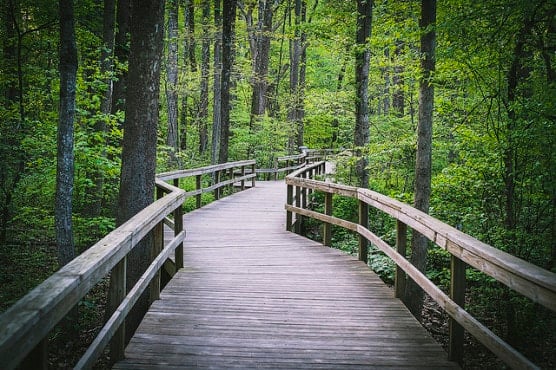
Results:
[24, 327]
[529, 280]
[289, 163]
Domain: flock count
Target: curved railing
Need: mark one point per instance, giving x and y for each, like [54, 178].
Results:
[289, 163]
[24, 327]
[529, 280]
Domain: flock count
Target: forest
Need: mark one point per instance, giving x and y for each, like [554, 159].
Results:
[448, 106]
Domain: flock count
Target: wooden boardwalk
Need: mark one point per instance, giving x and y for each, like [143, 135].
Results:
[252, 295]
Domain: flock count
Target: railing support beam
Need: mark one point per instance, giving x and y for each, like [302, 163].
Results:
[363, 221]
[457, 293]
[327, 228]
[401, 247]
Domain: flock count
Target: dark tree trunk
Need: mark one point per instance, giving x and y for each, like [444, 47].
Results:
[362, 62]
[205, 72]
[295, 61]
[261, 59]
[423, 163]
[65, 156]
[64, 172]
[121, 54]
[140, 134]
[228, 25]
[106, 68]
[190, 35]
[398, 96]
[217, 84]
[172, 87]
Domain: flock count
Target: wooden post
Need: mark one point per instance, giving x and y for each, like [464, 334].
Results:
[37, 358]
[289, 201]
[327, 228]
[275, 169]
[216, 182]
[401, 246]
[177, 183]
[117, 295]
[457, 293]
[157, 246]
[178, 228]
[298, 205]
[198, 197]
[242, 175]
[363, 221]
[253, 171]
[230, 177]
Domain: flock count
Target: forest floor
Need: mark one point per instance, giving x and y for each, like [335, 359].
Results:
[25, 267]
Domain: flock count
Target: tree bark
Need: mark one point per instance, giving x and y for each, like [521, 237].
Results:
[261, 59]
[65, 159]
[217, 84]
[362, 62]
[172, 87]
[423, 163]
[121, 54]
[140, 135]
[205, 72]
[228, 22]
[65, 156]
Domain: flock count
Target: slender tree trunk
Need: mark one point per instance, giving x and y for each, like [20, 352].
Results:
[300, 107]
[172, 87]
[121, 54]
[217, 84]
[362, 62]
[261, 59]
[423, 163]
[228, 21]
[64, 173]
[65, 157]
[106, 69]
[295, 61]
[205, 72]
[398, 96]
[140, 135]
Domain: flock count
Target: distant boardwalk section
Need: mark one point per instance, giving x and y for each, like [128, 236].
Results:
[252, 295]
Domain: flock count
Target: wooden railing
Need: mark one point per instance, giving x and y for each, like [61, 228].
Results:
[529, 280]
[25, 326]
[289, 163]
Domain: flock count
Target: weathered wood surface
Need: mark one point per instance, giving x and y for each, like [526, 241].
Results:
[252, 295]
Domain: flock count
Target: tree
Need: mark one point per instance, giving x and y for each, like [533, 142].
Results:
[140, 135]
[121, 55]
[205, 72]
[172, 73]
[217, 84]
[423, 162]
[362, 61]
[228, 21]
[295, 110]
[65, 159]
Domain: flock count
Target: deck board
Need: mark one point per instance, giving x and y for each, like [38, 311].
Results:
[252, 295]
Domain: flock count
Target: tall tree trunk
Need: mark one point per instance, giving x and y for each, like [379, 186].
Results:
[205, 72]
[172, 87]
[300, 106]
[140, 135]
[295, 62]
[121, 54]
[65, 156]
[423, 163]
[261, 59]
[228, 25]
[106, 69]
[217, 84]
[398, 96]
[64, 171]
[362, 62]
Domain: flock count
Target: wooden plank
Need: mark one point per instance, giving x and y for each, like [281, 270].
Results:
[252, 295]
